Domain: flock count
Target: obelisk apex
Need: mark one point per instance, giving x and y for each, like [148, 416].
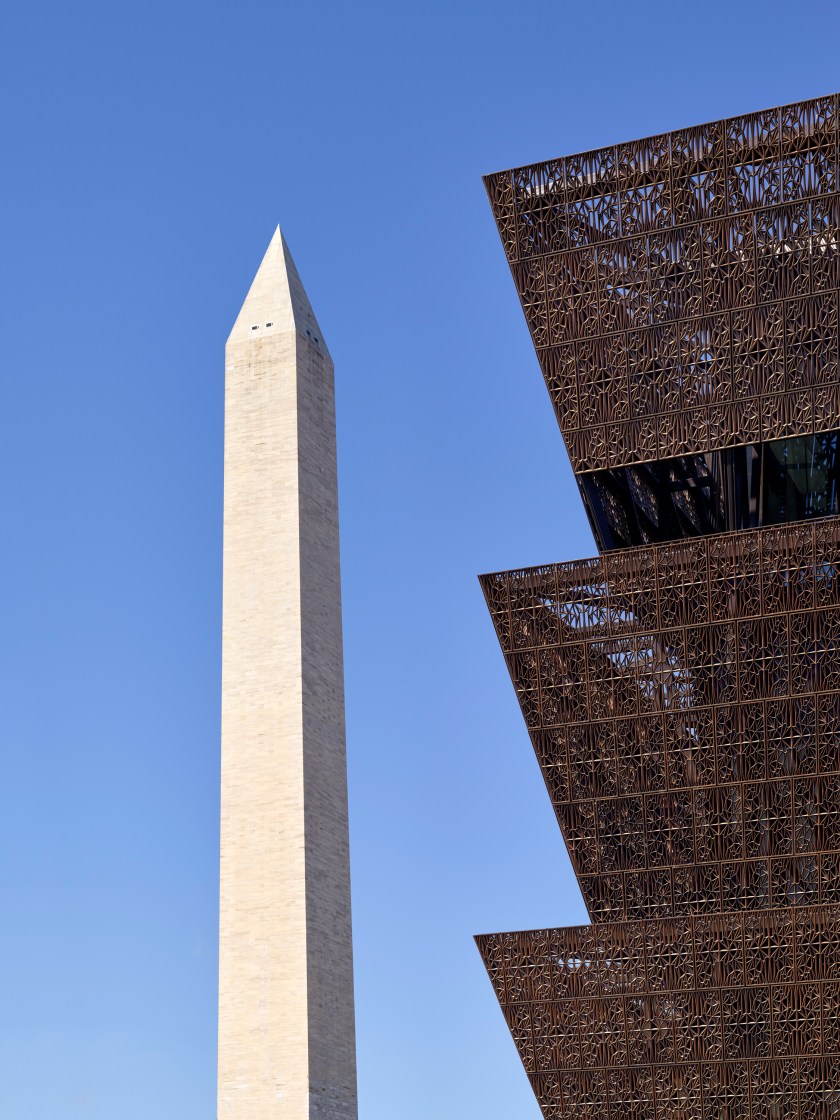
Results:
[277, 296]
[286, 1025]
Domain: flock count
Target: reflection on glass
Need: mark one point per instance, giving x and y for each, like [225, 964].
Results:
[800, 478]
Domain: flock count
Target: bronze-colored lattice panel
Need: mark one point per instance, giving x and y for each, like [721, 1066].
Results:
[698, 1018]
[684, 704]
[682, 290]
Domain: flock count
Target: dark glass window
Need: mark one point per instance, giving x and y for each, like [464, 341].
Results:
[734, 488]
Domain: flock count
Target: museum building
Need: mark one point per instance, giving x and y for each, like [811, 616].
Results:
[682, 688]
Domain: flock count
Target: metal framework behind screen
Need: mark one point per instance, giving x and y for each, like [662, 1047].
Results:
[683, 697]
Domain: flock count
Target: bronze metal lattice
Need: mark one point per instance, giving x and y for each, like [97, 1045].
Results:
[684, 705]
[682, 290]
[683, 698]
[718, 1017]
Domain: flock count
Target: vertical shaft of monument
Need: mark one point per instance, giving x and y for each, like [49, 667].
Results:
[286, 1026]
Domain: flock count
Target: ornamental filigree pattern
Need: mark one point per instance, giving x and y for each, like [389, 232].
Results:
[681, 290]
[684, 705]
[701, 1018]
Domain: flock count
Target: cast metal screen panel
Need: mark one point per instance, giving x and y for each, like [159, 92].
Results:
[684, 705]
[720, 1018]
[682, 290]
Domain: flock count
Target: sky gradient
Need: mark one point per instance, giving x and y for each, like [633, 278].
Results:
[151, 149]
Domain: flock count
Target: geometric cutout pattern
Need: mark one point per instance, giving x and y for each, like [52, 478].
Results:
[695, 1018]
[684, 704]
[682, 290]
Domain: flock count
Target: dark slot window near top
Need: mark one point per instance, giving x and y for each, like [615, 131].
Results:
[734, 488]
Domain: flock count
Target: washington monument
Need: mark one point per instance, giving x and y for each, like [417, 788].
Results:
[286, 1027]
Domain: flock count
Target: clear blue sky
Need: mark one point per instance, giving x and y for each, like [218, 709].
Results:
[149, 151]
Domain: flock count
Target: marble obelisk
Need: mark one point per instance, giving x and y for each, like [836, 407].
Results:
[286, 1024]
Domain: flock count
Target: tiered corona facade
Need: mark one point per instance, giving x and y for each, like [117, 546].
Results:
[682, 690]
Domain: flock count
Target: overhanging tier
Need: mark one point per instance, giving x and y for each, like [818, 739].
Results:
[700, 1018]
[684, 704]
[682, 290]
